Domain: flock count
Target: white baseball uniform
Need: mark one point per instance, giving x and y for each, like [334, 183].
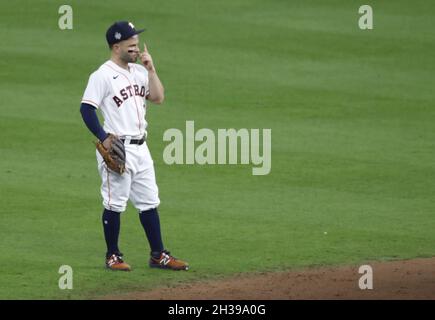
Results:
[121, 97]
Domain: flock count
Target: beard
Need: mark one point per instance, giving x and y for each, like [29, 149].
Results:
[127, 58]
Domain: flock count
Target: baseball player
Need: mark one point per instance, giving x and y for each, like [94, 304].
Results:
[119, 89]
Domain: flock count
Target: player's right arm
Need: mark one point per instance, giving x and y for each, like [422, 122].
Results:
[90, 118]
[92, 98]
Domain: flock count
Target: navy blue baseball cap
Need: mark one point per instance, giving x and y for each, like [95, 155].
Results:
[121, 30]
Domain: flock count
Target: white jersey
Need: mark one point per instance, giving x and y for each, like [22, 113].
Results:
[121, 97]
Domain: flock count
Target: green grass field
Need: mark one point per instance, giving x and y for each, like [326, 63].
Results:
[353, 139]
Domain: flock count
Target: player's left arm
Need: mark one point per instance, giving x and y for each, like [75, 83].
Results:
[157, 91]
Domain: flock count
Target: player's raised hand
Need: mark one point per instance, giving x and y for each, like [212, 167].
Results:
[146, 59]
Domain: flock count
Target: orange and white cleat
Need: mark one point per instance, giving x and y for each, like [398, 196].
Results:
[166, 261]
[115, 262]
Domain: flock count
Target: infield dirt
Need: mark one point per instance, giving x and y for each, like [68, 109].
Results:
[408, 279]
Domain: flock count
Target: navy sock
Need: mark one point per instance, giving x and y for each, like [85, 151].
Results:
[111, 224]
[151, 224]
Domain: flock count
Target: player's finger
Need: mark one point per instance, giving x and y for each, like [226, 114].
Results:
[145, 49]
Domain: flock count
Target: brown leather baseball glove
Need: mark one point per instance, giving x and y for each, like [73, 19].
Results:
[114, 155]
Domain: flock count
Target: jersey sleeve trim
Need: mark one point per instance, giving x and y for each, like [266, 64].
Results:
[91, 103]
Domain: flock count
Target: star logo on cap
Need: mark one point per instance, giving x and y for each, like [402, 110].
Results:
[118, 36]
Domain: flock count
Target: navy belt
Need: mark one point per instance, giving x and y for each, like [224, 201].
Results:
[135, 141]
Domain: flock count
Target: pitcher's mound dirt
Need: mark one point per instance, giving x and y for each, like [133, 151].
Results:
[409, 279]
